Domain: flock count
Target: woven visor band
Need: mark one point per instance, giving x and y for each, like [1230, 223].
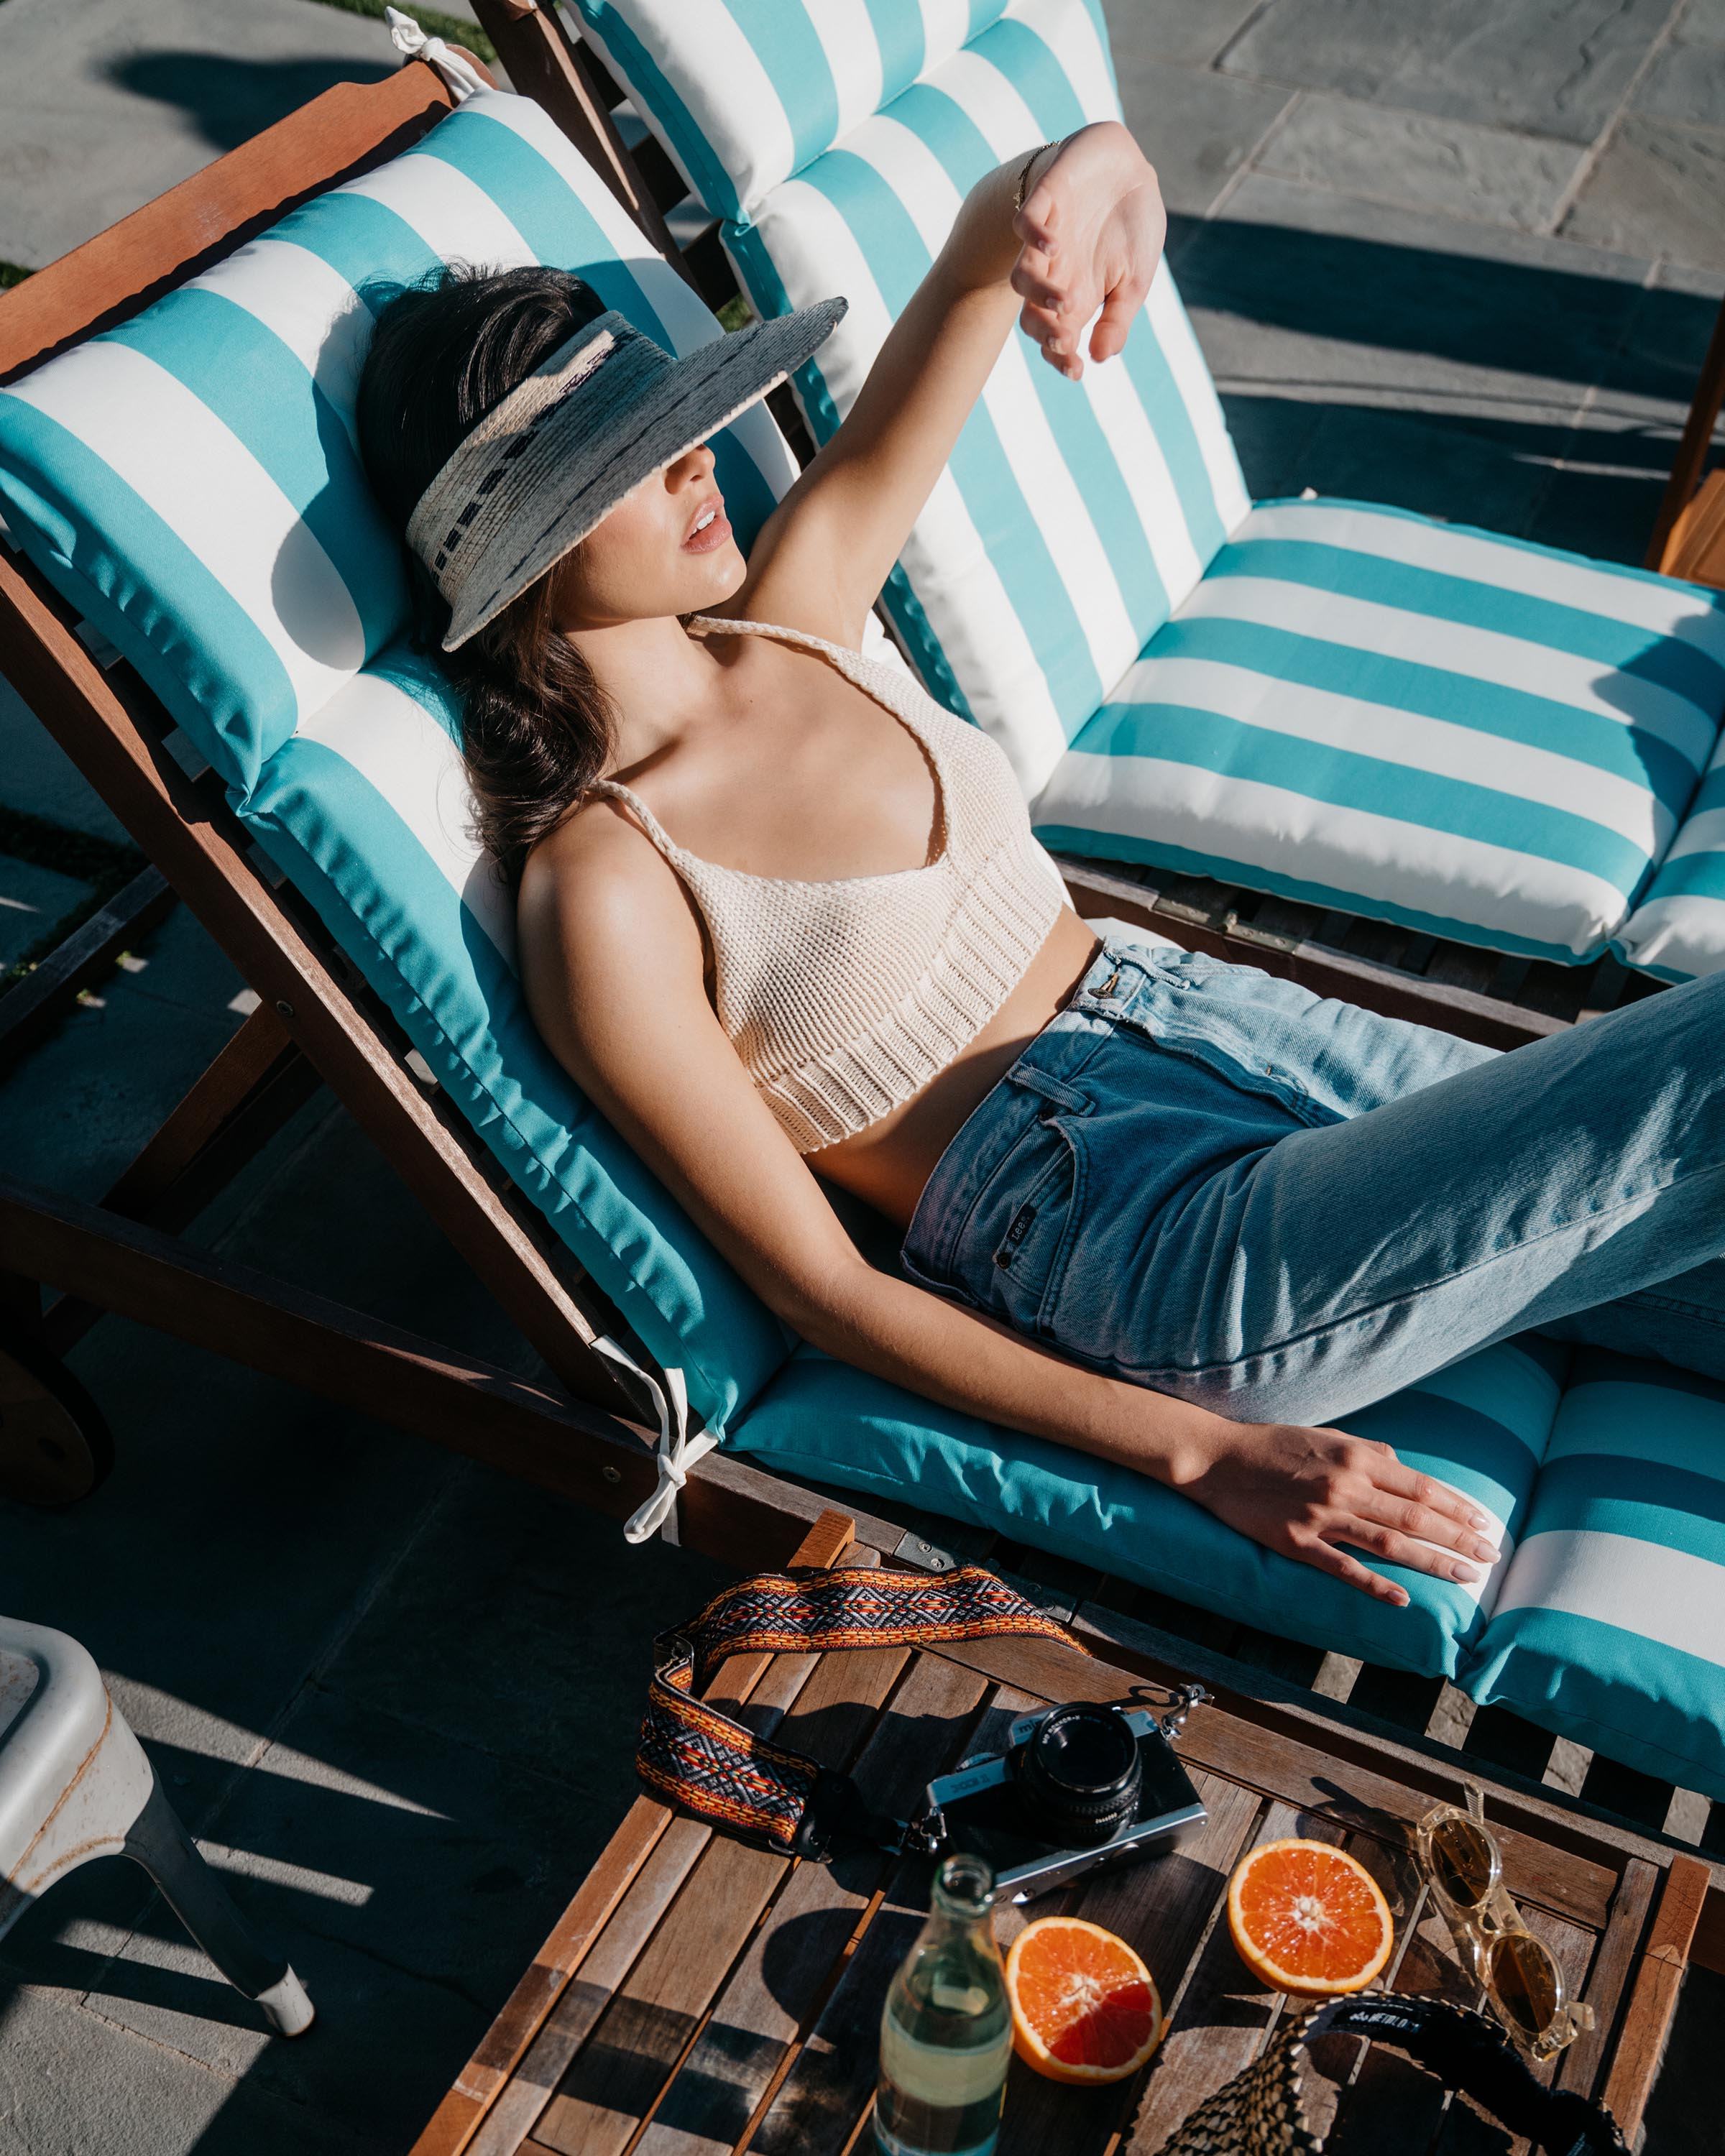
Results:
[505, 470]
[693, 1755]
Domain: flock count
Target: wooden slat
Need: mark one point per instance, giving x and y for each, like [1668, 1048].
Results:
[1698, 542]
[828, 2086]
[347, 130]
[32, 1006]
[1692, 450]
[614, 2083]
[1647, 2019]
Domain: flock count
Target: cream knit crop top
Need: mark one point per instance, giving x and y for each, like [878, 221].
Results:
[845, 998]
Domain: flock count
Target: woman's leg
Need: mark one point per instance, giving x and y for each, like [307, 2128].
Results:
[1303, 1278]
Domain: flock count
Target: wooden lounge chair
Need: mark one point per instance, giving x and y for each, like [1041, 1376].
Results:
[581, 1429]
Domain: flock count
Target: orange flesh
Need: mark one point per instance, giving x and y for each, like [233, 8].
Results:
[1088, 1999]
[1311, 1913]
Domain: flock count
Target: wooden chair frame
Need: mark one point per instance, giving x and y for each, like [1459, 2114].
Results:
[574, 1429]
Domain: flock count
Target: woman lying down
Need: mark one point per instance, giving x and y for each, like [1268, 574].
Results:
[782, 917]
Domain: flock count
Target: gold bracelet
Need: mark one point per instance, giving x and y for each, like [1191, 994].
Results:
[1023, 187]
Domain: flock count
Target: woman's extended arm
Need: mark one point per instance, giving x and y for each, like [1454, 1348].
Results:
[613, 972]
[1088, 238]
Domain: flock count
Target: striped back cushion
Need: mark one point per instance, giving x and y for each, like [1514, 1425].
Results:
[1610, 1626]
[191, 482]
[743, 93]
[367, 808]
[1071, 519]
[1678, 929]
[1364, 708]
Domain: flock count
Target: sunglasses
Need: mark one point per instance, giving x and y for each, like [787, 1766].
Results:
[1518, 1971]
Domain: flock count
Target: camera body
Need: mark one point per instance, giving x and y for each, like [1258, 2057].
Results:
[1076, 1786]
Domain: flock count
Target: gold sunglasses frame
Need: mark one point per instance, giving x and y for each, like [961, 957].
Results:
[1479, 1925]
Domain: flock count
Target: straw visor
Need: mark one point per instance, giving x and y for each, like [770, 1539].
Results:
[606, 411]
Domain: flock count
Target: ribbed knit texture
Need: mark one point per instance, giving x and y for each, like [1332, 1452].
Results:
[845, 998]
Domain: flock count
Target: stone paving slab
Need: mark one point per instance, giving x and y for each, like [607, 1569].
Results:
[1555, 70]
[1657, 187]
[32, 900]
[1202, 126]
[40, 778]
[107, 103]
[1423, 163]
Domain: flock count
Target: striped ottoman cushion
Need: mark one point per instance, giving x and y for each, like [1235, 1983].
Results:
[1362, 708]
[1071, 519]
[1610, 1626]
[1481, 1425]
[190, 481]
[1678, 929]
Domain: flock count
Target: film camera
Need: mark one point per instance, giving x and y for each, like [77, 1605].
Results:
[1076, 1786]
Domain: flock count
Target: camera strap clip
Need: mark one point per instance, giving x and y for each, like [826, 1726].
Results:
[693, 1754]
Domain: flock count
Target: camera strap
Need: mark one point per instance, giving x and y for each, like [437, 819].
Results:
[693, 1755]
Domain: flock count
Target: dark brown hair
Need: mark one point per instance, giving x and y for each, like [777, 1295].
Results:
[536, 728]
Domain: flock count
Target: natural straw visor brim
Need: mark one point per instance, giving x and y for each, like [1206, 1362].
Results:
[590, 451]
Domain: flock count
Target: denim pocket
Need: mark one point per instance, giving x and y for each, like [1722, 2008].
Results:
[1030, 1225]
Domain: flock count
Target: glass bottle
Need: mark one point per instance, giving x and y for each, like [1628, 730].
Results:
[946, 2030]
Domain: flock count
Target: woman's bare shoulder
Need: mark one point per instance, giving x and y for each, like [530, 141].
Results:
[598, 886]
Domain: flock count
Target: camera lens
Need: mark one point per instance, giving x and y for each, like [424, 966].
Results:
[1079, 1775]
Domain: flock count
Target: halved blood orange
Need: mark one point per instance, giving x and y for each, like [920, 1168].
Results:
[1308, 1919]
[1084, 2007]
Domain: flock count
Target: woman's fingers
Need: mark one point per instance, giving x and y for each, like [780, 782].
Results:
[1114, 324]
[1417, 1554]
[1034, 281]
[1404, 1517]
[1328, 1558]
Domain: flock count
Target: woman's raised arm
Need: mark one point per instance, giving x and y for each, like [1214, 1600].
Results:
[1085, 244]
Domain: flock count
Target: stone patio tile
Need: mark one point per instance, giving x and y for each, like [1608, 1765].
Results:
[78, 1108]
[1686, 82]
[1703, 23]
[1450, 166]
[73, 2084]
[1197, 127]
[1190, 30]
[557, 1675]
[1458, 304]
[36, 774]
[32, 900]
[1553, 70]
[133, 100]
[1656, 190]
[409, 1876]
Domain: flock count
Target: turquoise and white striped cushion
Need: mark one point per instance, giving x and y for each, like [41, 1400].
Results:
[1610, 1626]
[1480, 1425]
[1363, 708]
[190, 481]
[1071, 519]
[1678, 929]
[743, 93]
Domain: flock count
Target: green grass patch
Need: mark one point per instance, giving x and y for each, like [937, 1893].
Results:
[450, 28]
[736, 314]
[13, 273]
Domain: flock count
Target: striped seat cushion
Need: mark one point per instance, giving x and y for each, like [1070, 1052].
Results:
[190, 481]
[1678, 929]
[1362, 708]
[1610, 1626]
[1481, 1425]
[743, 93]
[1071, 519]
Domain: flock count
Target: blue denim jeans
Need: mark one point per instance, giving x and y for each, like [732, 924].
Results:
[1220, 1185]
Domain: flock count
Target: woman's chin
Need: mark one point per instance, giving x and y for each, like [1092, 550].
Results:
[719, 575]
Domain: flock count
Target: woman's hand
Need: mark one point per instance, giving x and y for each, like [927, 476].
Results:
[1303, 1492]
[1092, 230]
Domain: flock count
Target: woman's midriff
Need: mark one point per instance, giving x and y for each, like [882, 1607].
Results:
[888, 1164]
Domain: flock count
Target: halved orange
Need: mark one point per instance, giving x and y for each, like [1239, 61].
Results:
[1084, 2007]
[1308, 1919]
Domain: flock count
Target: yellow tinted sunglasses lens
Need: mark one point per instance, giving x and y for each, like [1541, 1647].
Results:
[1461, 1861]
[1524, 1981]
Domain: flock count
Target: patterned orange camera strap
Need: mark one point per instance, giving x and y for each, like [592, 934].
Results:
[690, 1754]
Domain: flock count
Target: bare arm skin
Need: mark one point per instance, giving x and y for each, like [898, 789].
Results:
[1089, 237]
[602, 912]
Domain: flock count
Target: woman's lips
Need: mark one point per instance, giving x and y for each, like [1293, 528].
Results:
[703, 538]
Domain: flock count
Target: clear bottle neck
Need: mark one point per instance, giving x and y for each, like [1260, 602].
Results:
[962, 1900]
